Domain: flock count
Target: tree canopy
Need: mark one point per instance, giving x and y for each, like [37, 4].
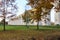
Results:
[7, 7]
[40, 6]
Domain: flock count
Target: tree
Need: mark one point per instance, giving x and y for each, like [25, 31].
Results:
[26, 17]
[57, 5]
[40, 9]
[7, 7]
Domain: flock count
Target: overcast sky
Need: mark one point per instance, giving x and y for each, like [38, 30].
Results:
[21, 6]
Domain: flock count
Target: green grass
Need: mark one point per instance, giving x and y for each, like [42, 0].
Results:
[23, 27]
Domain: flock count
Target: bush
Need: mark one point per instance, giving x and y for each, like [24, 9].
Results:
[57, 25]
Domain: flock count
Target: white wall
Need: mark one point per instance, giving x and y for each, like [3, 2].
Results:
[57, 18]
[19, 22]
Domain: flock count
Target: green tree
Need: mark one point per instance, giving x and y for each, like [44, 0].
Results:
[26, 17]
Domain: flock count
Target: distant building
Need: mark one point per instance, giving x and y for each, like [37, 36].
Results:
[57, 18]
[19, 21]
[57, 12]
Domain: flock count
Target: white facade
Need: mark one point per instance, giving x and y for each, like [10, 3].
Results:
[57, 18]
[19, 21]
[57, 12]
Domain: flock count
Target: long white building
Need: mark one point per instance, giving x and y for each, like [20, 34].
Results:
[57, 18]
[57, 12]
[20, 21]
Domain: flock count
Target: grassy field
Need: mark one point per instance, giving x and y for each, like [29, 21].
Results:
[20, 27]
[14, 32]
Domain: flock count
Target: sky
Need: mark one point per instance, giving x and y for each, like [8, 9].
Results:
[21, 6]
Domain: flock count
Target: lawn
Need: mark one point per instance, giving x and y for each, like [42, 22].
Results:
[31, 27]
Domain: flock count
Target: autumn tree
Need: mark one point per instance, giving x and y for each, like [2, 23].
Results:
[40, 8]
[7, 7]
[57, 5]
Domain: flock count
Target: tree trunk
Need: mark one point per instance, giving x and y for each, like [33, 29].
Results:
[27, 21]
[4, 24]
[27, 25]
[38, 25]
